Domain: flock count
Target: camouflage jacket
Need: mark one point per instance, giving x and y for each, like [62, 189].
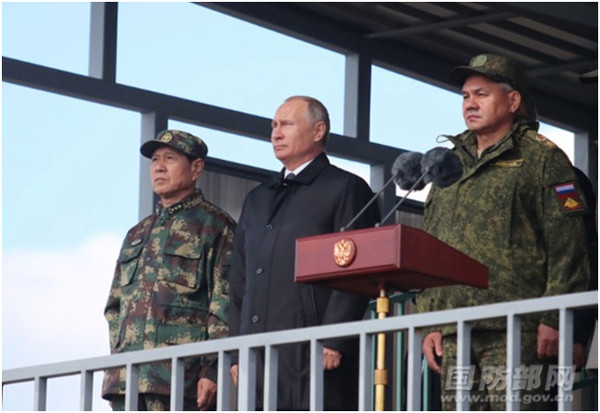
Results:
[171, 287]
[518, 210]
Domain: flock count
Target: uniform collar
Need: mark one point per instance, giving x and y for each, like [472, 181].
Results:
[190, 201]
[466, 142]
[308, 174]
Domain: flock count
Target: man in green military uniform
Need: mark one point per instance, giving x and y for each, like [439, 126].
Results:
[170, 285]
[519, 210]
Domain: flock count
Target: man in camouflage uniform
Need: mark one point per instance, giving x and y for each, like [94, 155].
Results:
[519, 210]
[170, 284]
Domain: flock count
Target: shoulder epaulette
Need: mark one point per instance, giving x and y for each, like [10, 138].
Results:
[538, 137]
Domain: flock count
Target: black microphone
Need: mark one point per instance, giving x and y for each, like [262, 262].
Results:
[439, 165]
[407, 170]
[403, 171]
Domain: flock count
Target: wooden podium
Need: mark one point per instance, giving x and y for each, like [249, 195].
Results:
[376, 261]
[402, 257]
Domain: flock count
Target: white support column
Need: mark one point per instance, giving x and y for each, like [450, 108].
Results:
[413, 375]
[224, 381]
[247, 379]
[357, 96]
[131, 387]
[513, 360]
[365, 370]
[316, 376]
[463, 365]
[40, 392]
[270, 388]
[566, 370]
[177, 383]
[152, 123]
[103, 41]
[87, 387]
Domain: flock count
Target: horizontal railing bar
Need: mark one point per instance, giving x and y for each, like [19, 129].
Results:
[351, 329]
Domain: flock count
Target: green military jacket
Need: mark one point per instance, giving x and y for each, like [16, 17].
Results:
[170, 287]
[517, 209]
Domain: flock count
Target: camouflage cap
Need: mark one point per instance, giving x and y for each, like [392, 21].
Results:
[497, 68]
[184, 142]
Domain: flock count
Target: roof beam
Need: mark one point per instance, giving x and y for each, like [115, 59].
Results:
[442, 25]
[184, 110]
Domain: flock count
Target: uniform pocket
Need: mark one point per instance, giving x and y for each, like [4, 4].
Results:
[179, 324]
[181, 263]
[128, 262]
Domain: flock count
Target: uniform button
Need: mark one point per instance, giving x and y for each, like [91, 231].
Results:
[255, 319]
[269, 227]
[259, 271]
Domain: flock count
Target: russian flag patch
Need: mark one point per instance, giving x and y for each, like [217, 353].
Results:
[568, 197]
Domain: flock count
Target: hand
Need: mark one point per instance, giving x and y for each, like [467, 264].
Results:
[547, 342]
[432, 347]
[233, 370]
[578, 355]
[207, 394]
[331, 358]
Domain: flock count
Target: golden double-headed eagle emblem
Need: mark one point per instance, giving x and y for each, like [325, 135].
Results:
[344, 252]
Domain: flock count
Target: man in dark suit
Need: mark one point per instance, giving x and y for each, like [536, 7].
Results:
[318, 198]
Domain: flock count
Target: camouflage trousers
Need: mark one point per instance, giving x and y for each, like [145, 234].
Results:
[152, 402]
[486, 377]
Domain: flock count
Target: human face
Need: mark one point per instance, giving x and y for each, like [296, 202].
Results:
[173, 175]
[488, 109]
[295, 140]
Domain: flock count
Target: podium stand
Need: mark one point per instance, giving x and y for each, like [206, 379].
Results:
[375, 261]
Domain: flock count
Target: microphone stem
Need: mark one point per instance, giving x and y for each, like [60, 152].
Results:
[368, 204]
[412, 188]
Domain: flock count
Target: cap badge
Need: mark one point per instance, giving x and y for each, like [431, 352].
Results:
[479, 61]
[167, 137]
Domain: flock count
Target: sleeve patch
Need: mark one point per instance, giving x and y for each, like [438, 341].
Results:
[568, 198]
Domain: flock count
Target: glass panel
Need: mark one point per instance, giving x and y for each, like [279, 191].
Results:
[70, 172]
[70, 168]
[564, 139]
[409, 114]
[254, 152]
[233, 148]
[192, 52]
[38, 33]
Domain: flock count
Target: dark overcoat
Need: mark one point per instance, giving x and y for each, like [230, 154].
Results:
[264, 296]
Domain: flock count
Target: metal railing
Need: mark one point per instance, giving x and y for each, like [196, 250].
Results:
[247, 348]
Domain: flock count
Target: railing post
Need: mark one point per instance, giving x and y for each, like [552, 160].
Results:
[413, 385]
[177, 386]
[463, 365]
[87, 387]
[365, 378]
[131, 387]
[566, 369]
[247, 379]
[316, 375]
[513, 360]
[224, 382]
[270, 387]
[41, 386]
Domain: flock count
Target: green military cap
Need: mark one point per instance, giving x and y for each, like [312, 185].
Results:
[184, 142]
[498, 68]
